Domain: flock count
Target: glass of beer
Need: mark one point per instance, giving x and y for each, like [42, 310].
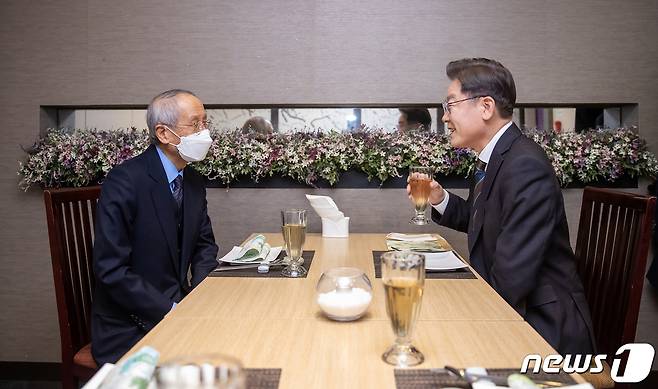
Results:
[420, 179]
[403, 274]
[293, 226]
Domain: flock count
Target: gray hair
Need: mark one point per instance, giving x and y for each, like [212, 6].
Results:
[257, 125]
[163, 109]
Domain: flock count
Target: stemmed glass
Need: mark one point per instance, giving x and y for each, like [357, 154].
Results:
[403, 274]
[293, 227]
[420, 178]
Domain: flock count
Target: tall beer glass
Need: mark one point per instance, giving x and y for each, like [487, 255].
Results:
[420, 179]
[403, 274]
[293, 227]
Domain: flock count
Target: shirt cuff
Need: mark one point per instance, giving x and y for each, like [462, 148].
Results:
[441, 207]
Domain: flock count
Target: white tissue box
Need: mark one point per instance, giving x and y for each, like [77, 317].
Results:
[335, 229]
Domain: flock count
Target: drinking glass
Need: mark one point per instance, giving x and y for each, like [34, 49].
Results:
[403, 274]
[420, 178]
[206, 371]
[293, 226]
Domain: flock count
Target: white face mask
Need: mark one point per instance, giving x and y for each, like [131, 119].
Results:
[193, 148]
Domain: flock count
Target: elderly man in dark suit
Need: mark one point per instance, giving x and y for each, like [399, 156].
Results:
[152, 227]
[517, 230]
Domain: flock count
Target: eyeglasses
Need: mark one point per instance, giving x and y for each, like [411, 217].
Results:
[199, 125]
[447, 104]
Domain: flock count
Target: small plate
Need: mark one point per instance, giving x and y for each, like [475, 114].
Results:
[443, 261]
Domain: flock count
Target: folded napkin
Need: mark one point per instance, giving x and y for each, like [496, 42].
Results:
[410, 237]
[325, 207]
[254, 249]
[417, 242]
[269, 255]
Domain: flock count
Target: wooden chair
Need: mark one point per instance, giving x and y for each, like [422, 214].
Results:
[614, 235]
[71, 214]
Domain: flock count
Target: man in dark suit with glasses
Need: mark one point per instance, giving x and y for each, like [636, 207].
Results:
[152, 228]
[514, 216]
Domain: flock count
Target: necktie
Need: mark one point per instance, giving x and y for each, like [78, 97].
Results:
[177, 190]
[479, 179]
[480, 167]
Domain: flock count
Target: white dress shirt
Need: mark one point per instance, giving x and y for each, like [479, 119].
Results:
[484, 156]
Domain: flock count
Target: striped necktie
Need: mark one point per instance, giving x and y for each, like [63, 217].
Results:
[177, 190]
[479, 175]
[479, 179]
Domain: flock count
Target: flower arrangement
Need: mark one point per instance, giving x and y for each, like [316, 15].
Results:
[597, 155]
[84, 157]
[81, 158]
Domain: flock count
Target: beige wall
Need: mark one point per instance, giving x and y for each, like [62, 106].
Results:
[124, 52]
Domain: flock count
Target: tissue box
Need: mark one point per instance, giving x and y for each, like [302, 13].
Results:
[335, 229]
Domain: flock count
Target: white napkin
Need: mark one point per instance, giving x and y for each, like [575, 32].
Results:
[410, 237]
[233, 256]
[325, 207]
[255, 248]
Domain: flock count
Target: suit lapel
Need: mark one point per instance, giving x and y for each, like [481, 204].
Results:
[495, 162]
[163, 202]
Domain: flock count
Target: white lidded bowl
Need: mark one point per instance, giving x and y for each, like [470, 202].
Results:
[344, 293]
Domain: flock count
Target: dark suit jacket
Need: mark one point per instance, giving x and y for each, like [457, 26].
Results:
[140, 264]
[519, 242]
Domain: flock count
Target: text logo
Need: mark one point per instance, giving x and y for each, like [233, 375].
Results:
[632, 363]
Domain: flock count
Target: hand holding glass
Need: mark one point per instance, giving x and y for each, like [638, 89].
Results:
[420, 180]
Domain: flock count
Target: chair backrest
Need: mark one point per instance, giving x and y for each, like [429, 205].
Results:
[614, 235]
[71, 214]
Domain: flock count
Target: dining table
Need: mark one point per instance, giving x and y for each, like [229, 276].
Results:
[273, 322]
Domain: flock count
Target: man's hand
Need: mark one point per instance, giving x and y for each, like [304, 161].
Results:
[436, 190]
[436, 193]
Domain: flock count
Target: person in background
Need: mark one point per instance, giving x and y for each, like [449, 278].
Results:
[152, 228]
[414, 119]
[518, 237]
[258, 126]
